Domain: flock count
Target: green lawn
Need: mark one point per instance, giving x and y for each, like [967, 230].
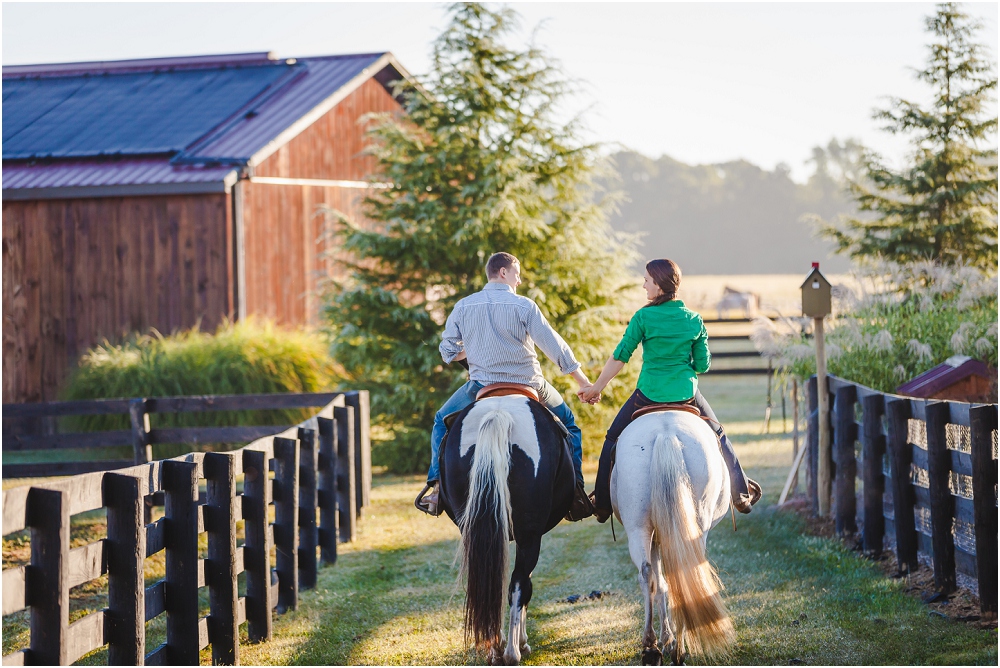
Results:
[393, 598]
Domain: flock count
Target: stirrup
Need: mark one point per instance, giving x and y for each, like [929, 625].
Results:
[432, 510]
[745, 502]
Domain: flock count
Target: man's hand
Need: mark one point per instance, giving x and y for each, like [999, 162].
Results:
[589, 394]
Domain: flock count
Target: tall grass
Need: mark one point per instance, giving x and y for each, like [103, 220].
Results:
[905, 320]
[253, 356]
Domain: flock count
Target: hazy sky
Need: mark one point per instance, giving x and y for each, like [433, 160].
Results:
[700, 82]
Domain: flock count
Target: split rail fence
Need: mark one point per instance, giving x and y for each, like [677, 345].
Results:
[296, 492]
[920, 472]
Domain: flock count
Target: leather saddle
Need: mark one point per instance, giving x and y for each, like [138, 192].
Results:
[685, 406]
[506, 389]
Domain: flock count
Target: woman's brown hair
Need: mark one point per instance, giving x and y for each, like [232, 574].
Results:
[667, 276]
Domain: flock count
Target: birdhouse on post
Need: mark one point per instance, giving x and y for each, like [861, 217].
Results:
[816, 294]
[816, 305]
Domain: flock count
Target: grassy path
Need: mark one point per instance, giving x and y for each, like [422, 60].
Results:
[392, 597]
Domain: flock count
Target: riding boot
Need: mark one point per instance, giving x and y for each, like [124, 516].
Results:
[601, 496]
[581, 508]
[745, 492]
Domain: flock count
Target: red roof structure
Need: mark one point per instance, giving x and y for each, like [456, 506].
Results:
[959, 378]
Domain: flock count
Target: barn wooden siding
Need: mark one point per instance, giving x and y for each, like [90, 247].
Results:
[78, 271]
[333, 147]
[283, 224]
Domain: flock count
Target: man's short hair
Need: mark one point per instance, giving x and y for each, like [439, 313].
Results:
[497, 262]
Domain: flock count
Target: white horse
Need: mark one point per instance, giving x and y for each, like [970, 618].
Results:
[670, 486]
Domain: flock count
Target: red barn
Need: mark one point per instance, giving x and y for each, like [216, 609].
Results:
[166, 192]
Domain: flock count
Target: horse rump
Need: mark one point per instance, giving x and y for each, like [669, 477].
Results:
[485, 526]
[693, 586]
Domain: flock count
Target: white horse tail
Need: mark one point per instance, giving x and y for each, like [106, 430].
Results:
[693, 586]
[486, 531]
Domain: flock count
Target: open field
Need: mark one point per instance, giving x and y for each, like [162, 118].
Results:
[392, 597]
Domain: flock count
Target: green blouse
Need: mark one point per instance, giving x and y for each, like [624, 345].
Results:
[674, 350]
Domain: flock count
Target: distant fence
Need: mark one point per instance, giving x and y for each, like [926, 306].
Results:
[308, 473]
[750, 370]
[927, 470]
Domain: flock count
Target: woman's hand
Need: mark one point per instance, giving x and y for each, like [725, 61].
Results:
[589, 394]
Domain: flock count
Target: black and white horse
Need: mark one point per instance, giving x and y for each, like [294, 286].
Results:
[506, 474]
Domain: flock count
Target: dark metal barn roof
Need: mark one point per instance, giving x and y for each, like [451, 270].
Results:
[74, 123]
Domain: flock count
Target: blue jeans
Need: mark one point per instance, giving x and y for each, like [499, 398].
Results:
[466, 395]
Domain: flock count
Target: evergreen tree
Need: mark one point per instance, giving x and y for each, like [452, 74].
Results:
[479, 163]
[943, 207]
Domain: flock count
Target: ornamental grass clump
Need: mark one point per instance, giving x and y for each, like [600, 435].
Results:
[248, 357]
[906, 320]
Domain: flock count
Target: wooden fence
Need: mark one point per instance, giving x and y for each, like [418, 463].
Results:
[920, 472]
[750, 354]
[308, 473]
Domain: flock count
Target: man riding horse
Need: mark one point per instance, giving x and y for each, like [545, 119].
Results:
[495, 332]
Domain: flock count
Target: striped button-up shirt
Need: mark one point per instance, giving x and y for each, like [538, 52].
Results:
[499, 330]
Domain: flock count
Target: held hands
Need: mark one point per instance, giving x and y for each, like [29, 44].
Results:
[589, 394]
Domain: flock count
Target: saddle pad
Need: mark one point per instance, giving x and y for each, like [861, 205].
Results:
[522, 434]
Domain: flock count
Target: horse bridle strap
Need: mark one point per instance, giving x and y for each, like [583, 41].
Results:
[505, 389]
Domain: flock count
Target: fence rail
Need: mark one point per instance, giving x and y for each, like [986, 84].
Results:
[927, 472]
[309, 473]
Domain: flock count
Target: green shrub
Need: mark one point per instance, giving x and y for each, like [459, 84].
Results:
[248, 357]
[912, 318]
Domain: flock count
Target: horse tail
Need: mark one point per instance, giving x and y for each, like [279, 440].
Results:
[693, 586]
[486, 531]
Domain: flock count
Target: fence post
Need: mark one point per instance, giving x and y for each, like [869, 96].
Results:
[812, 442]
[47, 583]
[873, 449]
[846, 468]
[126, 554]
[142, 451]
[942, 502]
[257, 547]
[308, 462]
[982, 423]
[900, 459]
[180, 486]
[220, 523]
[326, 490]
[359, 401]
[346, 497]
[286, 516]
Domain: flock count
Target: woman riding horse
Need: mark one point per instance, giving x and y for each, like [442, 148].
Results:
[675, 350]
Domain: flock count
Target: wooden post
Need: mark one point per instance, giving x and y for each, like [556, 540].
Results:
[812, 443]
[795, 433]
[942, 502]
[873, 449]
[903, 498]
[358, 400]
[308, 462]
[180, 486]
[847, 468]
[824, 481]
[326, 490]
[257, 547]
[220, 523]
[346, 496]
[142, 451]
[47, 585]
[982, 423]
[286, 516]
[126, 553]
